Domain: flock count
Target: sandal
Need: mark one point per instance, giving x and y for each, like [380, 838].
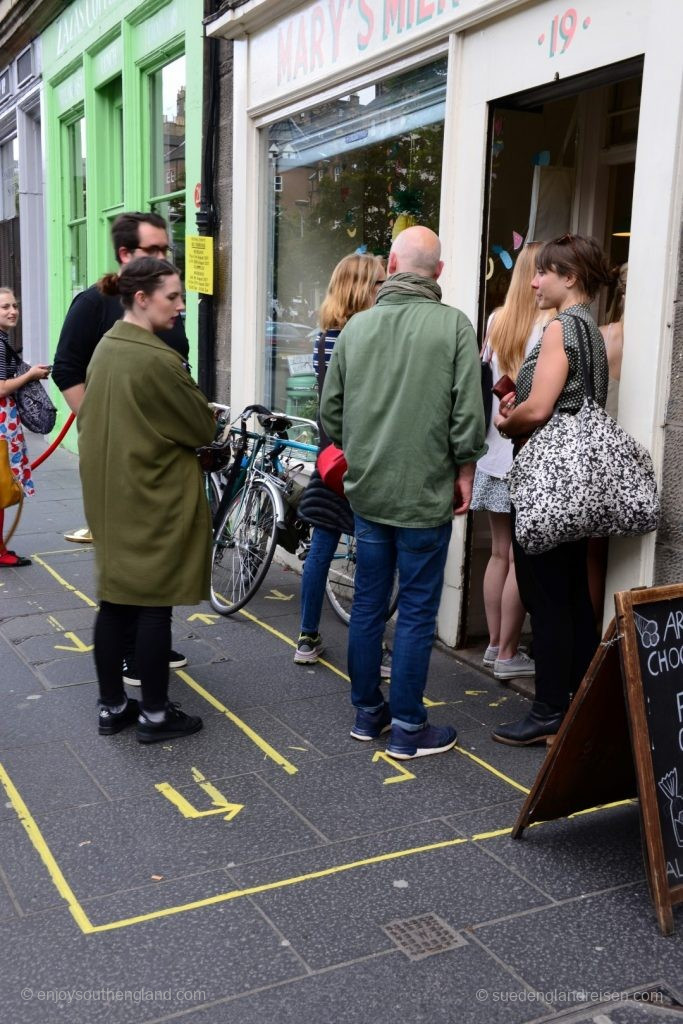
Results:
[81, 536]
[12, 560]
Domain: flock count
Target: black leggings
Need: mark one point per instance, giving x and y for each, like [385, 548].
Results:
[553, 587]
[151, 628]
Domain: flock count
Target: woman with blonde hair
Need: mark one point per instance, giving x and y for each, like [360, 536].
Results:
[353, 287]
[512, 332]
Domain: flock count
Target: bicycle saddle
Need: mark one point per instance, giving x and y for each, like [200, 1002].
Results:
[274, 424]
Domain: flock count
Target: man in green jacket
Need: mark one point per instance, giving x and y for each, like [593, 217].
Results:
[402, 397]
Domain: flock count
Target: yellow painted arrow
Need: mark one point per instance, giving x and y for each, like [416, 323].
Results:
[221, 805]
[474, 693]
[403, 773]
[78, 646]
[208, 620]
[277, 595]
[433, 703]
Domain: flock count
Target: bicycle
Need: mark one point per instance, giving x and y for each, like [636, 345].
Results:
[253, 509]
[252, 514]
[341, 577]
[215, 458]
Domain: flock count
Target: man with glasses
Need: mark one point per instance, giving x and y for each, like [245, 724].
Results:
[90, 316]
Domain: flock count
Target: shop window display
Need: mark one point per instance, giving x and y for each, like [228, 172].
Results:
[344, 176]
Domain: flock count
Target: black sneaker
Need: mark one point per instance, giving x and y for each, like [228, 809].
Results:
[130, 676]
[175, 724]
[110, 723]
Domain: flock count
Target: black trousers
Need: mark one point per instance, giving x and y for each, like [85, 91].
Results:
[115, 625]
[553, 587]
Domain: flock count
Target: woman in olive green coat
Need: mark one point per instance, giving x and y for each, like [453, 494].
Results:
[141, 419]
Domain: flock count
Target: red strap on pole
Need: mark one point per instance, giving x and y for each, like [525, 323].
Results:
[57, 441]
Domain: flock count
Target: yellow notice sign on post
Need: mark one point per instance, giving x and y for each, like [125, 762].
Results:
[199, 264]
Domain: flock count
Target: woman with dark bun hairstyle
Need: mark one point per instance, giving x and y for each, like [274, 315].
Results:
[139, 424]
[554, 585]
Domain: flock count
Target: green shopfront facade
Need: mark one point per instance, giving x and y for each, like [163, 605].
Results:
[123, 122]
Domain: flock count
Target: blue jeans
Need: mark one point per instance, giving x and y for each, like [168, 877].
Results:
[420, 555]
[323, 546]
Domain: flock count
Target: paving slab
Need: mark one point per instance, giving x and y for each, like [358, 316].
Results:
[269, 681]
[222, 750]
[56, 973]
[385, 989]
[457, 882]
[602, 943]
[48, 777]
[98, 847]
[347, 795]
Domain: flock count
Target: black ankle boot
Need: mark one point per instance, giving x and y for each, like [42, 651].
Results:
[542, 722]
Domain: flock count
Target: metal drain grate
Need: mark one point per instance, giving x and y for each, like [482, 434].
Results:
[423, 936]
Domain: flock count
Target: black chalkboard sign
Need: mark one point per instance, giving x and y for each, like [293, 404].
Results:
[623, 736]
[650, 625]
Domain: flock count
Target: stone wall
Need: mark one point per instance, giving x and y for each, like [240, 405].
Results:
[669, 544]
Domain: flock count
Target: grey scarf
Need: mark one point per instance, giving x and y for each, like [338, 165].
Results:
[411, 284]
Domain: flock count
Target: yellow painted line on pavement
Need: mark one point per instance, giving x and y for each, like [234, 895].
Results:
[43, 850]
[246, 729]
[291, 643]
[64, 583]
[86, 926]
[490, 768]
[280, 884]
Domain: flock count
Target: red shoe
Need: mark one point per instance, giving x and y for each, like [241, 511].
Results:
[12, 560]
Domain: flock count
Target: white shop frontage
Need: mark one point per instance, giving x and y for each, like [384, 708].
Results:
[491, 121]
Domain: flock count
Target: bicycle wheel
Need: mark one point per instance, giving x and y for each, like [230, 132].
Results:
[243, 548]
[213, 493]
[341, 577]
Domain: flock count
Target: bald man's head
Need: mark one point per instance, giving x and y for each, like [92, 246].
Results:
[416, 250]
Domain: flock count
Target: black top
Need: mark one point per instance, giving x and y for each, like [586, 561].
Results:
[90, 316]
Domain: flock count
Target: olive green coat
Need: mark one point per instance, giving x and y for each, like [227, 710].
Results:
[138, 426]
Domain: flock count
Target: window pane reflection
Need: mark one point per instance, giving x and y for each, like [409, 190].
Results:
[167, 92]
[348, 174]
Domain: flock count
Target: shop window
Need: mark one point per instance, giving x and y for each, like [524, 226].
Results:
[24, 66]
[9, 167]
[167, 186]
[76, 223]
[110, 143]
[354, 173]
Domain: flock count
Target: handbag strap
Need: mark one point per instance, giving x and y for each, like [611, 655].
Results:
[11, 531]
[585, 356]
[322, 363]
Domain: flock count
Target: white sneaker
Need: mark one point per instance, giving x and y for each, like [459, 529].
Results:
[490, 655]
[512, 668]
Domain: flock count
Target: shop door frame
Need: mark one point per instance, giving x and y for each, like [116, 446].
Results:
[483, 76]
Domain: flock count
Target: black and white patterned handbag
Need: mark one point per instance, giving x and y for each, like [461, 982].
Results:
[581, 475]
[36, 411]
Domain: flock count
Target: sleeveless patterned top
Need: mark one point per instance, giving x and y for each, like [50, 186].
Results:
[572, 394]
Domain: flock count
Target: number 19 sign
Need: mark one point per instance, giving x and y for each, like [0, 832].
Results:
[562, 30]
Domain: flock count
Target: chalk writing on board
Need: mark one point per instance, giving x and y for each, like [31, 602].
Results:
[669, 786]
